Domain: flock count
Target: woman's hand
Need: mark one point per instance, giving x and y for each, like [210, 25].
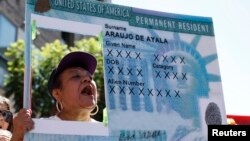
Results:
[22, 123]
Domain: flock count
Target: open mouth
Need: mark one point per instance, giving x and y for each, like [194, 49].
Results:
[87, 90]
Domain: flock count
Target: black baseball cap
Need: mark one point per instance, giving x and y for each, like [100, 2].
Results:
[73, 59]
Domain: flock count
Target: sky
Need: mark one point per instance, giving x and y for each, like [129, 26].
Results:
[231, 20]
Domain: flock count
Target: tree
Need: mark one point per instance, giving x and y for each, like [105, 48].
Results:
[44, 59]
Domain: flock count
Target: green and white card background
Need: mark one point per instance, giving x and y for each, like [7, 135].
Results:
[162, 78]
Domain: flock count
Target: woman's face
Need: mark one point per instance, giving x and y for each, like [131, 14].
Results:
[3, 124]
[78, 90]
[3, 113]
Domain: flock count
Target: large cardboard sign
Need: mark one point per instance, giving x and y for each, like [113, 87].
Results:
[162, 77]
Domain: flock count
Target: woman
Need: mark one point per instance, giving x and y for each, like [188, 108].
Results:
[71, 85]
[6, 115]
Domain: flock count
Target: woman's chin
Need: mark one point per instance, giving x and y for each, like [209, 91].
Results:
[88, 105]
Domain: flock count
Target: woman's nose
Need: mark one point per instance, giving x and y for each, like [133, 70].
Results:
[86, 79]
[1, 122]
[1, 118]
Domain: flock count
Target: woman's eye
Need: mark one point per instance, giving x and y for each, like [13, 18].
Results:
[76, 76]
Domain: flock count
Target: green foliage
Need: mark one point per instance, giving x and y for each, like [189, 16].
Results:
[14, 80]
[44, 60]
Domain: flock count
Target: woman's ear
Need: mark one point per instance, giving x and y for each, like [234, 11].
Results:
[56, 94]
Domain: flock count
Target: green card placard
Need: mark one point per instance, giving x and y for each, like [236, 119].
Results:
[162, 77]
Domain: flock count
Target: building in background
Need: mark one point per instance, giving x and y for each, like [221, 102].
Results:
[12, 24]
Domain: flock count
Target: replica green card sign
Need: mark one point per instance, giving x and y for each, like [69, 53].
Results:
[162, 77]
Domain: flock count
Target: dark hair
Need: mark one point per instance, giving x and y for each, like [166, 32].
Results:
[56, 84]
